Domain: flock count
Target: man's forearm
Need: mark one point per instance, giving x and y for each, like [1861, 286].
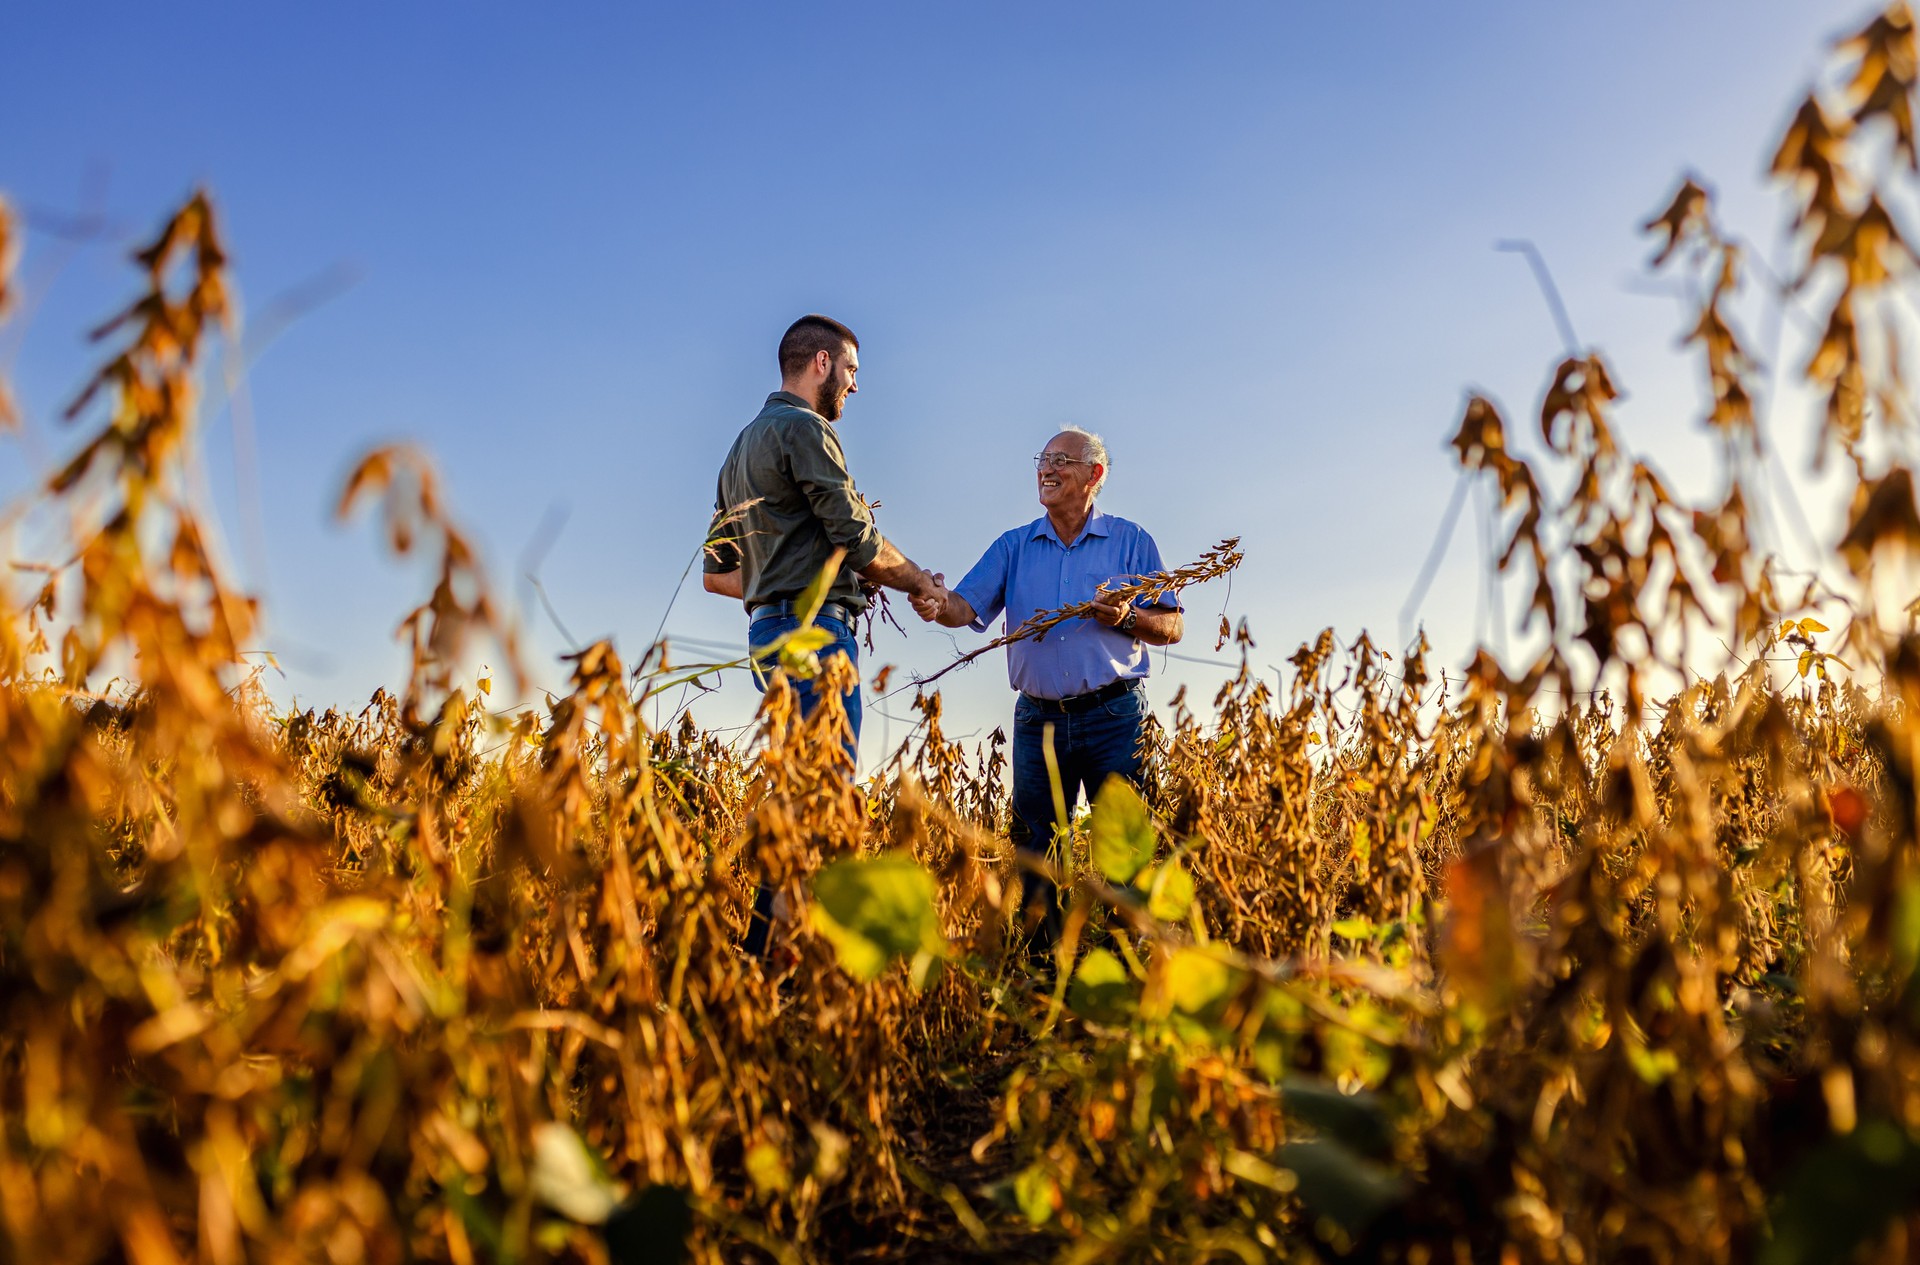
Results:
[958, 612]
[1158, 626]
[897, 571]
[726, 583]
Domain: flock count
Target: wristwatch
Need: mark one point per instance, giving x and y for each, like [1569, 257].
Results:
[1128, 620]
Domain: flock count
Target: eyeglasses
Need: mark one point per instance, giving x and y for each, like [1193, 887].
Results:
[1057, 461]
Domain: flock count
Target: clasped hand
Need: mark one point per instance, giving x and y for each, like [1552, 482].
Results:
[931, 601]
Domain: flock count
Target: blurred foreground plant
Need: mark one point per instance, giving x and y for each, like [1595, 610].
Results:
[1597, 958]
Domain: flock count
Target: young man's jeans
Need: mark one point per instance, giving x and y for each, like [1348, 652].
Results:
[763, 632]
[1088, 747]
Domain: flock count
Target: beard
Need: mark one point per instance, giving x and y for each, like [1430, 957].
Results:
[832, 398]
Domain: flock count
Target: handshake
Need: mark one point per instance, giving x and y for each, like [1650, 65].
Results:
[931, 599]
[934, 602]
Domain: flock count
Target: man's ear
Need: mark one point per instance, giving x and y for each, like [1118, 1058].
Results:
[823, 363]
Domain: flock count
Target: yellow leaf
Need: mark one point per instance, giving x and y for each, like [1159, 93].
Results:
[768, 1169]
[815, 595]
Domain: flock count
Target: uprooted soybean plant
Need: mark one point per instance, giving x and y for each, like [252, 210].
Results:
[1597, 957]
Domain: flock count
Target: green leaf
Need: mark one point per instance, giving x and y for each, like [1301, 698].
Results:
[798, 648]
[1651, 1065]
[1170, 892]
[925, 968]
[1100, 967]
[1339, 1185]
[815, 594]
[1101, 988]
[876, 910]
[651, 1229]
[1197, 980]
[1356, 1121]
[1037, 1194]
[569, 1177]
[1845, 1193]
[1905, 937]
[1270, 1056]
[1121, 830]
[1353, 929]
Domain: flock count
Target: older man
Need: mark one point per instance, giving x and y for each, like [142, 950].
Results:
[785, 502]
[1082, 686]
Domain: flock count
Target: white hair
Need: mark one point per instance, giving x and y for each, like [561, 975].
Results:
[1096, 452]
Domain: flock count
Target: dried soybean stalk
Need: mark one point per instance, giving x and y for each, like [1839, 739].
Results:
[1211, 565]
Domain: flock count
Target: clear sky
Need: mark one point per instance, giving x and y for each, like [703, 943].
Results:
[1250, 243]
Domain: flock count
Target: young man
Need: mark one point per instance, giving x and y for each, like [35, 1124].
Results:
[1083, 682]
[785, 502]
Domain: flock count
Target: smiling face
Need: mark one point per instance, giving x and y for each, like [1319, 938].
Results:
[841, 373]
[1068, 486]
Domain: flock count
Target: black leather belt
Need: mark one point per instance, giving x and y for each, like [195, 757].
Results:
[1082, 702]
[831, 610]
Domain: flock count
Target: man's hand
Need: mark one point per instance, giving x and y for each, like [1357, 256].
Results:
[931, 602]
[1155, 625]
[1108, 610]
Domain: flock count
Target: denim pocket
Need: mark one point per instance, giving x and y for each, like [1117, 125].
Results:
[770, 628]
[1129, 706]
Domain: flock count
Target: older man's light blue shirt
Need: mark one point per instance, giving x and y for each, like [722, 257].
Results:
[1027, 571]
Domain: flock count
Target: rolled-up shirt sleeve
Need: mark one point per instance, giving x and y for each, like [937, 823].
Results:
[819, 469]
[985, 587]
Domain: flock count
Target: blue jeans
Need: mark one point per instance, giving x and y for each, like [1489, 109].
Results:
[1089, 747]
[763, 631]
[767, 629]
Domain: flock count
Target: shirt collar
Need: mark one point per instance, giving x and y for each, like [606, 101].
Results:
[788, 397]
[1096, 525]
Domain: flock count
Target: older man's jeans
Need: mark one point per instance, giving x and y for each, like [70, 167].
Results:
[1088, 747]
[764, 631]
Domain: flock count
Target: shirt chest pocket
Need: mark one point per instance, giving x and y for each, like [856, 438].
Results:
[1085, 570]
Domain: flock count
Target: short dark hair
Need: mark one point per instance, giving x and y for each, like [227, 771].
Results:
[808, 337]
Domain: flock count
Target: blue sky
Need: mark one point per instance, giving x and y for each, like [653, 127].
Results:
[1251, 244]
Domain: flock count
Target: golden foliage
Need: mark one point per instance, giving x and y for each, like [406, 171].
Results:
[1524, 966]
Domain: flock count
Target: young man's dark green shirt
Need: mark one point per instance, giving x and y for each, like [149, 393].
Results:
[789, 471]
